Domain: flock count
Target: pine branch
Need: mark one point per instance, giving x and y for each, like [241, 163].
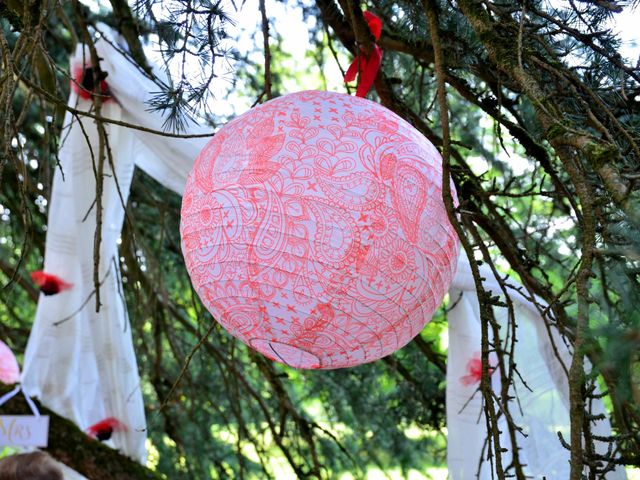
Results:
[129, 29]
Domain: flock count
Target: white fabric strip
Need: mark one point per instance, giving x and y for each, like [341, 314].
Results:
[542, 410]
[80, 363]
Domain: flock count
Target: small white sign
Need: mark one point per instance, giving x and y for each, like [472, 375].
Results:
[24, 430]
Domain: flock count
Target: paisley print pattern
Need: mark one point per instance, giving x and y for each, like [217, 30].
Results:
[314, 230]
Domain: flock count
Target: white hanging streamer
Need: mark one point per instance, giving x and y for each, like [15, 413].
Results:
[542, 409]
[81, 363]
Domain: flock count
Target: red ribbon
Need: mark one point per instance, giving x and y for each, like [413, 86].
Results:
[368, 67]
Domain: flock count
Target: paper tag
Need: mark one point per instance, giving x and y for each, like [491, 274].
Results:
[24, 430]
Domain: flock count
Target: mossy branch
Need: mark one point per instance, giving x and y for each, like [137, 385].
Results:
[71, 446]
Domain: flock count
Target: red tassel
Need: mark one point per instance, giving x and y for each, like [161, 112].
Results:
[104, 429]
[367, 67]
[49, 284]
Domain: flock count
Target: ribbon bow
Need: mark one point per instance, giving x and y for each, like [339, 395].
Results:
[368, 67]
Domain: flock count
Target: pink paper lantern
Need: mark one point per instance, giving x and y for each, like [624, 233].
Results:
[9, 370]
[313, 229]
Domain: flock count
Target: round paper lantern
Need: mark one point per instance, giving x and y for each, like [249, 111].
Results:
[9, 370]
[313, 229]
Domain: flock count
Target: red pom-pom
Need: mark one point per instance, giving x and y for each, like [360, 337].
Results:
[84, 85]
[104, 429]
[49, 284]
[474, 367]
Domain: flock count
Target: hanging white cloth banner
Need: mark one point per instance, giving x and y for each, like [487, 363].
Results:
[542, 408]
[82, 364]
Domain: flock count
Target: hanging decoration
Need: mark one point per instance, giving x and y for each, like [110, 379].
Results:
[23, 430]
[367, 67]
[9, 370]
[49, 283]
[104, 429]
[474, 371]
[83, 83]
[19, 430]
[314, 230]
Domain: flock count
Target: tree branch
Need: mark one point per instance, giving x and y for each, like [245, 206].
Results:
[74, 448]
